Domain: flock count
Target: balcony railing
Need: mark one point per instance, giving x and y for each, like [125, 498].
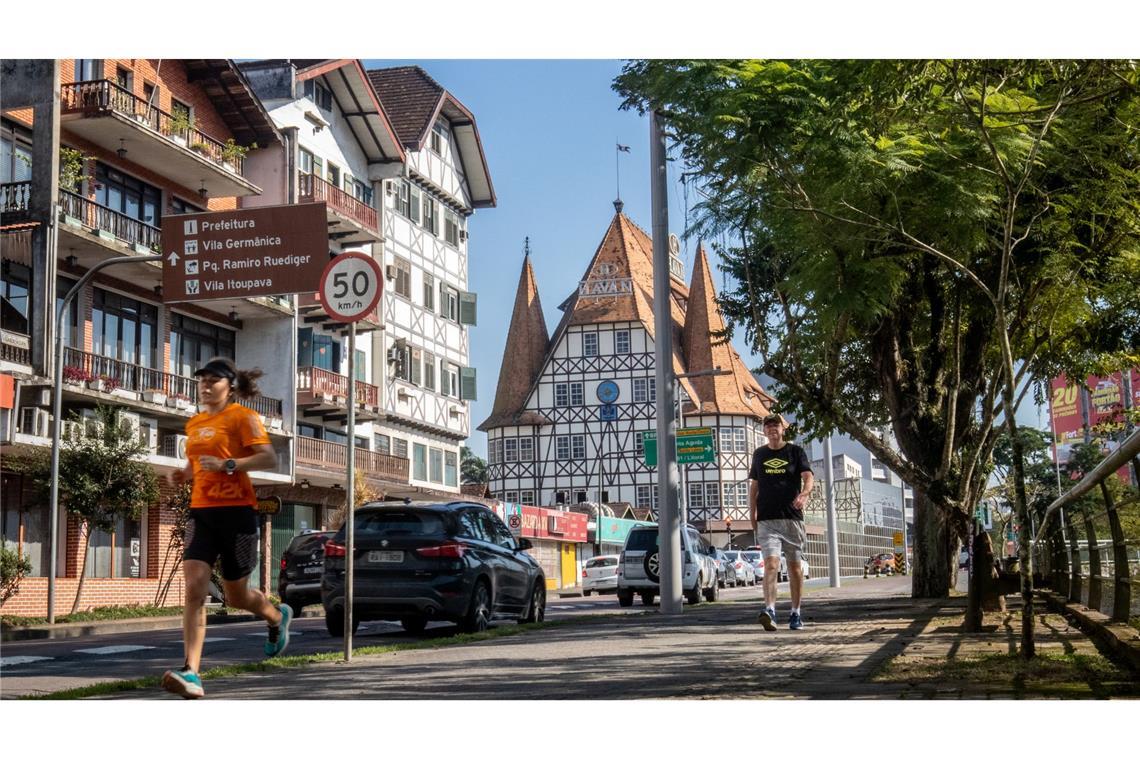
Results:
[320, 381]
[132, 377]
[334, 456]
[105, 95]
[120, 225]
[15, 347]
[15, 197]
[315, 189]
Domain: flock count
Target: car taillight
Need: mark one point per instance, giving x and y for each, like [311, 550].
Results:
[334, 550]
[446, 550]
[282, 563]
[583, 573]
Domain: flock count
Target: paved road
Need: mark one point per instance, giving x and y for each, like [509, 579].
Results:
[42, 666]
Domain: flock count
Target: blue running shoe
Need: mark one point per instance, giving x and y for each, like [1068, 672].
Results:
[279, 634]
[768, 619]
[794, 622]
[183, 682]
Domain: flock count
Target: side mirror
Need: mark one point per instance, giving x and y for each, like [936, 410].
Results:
[524, 544]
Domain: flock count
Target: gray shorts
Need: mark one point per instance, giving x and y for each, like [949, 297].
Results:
[774, 536]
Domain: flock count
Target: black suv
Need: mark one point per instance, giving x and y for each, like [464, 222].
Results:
[422, 561]
[299, 580]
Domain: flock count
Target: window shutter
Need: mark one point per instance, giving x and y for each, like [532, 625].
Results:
[467, 384]
[304, 347]
[417, 362]
[467, 310]
[444, 379]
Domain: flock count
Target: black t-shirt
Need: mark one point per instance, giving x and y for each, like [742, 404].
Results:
[777, 474]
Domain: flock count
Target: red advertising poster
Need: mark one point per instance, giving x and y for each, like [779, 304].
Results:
[1106, 406]
[538, 522]
[1068, 424]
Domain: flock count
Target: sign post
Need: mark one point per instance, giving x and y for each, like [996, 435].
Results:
[351, 286]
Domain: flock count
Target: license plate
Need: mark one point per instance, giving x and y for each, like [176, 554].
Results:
[385, 556]
[313, 570]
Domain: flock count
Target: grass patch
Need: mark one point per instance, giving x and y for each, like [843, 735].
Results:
[261, 666]
[1056, 675]
[121, 612]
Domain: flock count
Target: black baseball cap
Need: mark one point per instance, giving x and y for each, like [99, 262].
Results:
[218, 368]
[773, 419]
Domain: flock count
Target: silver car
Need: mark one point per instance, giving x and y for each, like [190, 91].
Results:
[744, 570]
[600, 574]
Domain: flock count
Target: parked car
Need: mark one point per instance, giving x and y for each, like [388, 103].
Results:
[421, 561]
[299, 579]
[600, 574]
[722, 573]
[742, 568]
[805, 566]
[880, 563]
[640, 561]
[756, 559]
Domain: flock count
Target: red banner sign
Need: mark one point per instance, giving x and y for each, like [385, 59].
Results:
[1068, 422]
[539, 522]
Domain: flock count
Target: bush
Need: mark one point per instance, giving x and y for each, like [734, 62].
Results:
[13, 568]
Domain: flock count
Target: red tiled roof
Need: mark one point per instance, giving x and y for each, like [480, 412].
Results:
[411, 99]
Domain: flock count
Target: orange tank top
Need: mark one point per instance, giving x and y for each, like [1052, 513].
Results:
[230, 434]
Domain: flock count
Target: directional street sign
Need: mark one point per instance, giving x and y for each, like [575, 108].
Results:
[267, 250]
[694, 446]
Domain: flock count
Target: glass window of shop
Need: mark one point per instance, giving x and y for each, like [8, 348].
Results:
[118, 553]
[124, 329]
[24, 526]
[193, 342]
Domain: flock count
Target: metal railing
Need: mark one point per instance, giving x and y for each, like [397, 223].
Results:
[138, 379]
[15, 347]
[1080, 530]
[334, 456]
[320, 381]
[315, 189]
[120, 225]
[105, 95]
[15, 197]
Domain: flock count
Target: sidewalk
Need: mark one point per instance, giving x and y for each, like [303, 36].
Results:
[127, 625]
[851, 632]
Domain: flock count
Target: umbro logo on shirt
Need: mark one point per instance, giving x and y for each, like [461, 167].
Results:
[775, 466]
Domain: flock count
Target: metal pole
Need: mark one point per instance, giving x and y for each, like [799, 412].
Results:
[832, 518]
[350, 495]
[57, 423]
[902, 496]
[683, 493]
[668, 525]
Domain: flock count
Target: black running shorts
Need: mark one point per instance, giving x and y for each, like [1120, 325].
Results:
[226, 532]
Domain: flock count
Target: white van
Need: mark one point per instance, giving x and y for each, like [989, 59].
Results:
[640, 562]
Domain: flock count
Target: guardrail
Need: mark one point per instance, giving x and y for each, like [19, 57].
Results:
[327, 455]
[15, 197]
[118, 224]
[313, 188]
[1109, 547]
[320, 381]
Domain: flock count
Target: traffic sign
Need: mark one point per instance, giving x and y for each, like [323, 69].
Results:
[514, 522]
[607, 412]
[351, 287]
[262, 251]
[898, 538]
[694, 446]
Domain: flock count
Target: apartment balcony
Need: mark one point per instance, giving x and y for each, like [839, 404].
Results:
[351, 220]
[109, 116]
[327, 462]
[325, 394]
[15, 198]
[15, 352]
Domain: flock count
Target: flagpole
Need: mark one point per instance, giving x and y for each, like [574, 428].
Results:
[617, 166]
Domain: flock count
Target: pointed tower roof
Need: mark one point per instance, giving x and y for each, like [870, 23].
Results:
[523, 356]
[737, 393]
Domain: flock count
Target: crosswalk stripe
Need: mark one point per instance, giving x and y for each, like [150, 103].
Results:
[6, 662]
[113, 650]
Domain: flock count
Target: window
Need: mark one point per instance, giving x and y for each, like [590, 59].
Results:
[742, 494]
[470, 526]
[729, 495]
[319, 350]
[562, 394]
[116, 554]
[638, 444]
[448, 302]
[403, 286]
[578, 446]
[311, 164]
[125, 329]
[646, 497]
[562, 447]
[435, 457]
[334, 174]
[652, 390]
[696, 496]
[621, 342]
[499, 450]
[319, 94]
[527, 498]
[413, 212]
[179, 206]
[125, 79]
[431, 218]
[429, 292]
[577, 398]
[88, 69]
[451, 227]
[16, 289]
[130, 197]
[589, 344]
[358, 190]
[640, 390]
[400, 447]
[526, 449]
[419, 461]
[511, 497]
[491, 459]
[403, 356]
[438, 137]
[450, 468]
[580, 497]
[24, 527]
[416, 374]
[15, 160]
[740, 441]
[429, 371]
[725, 441]
[449, 379]
[511, 449]
[712, 495]
[382, 444]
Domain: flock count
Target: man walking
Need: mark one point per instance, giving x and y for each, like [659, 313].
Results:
[779, 484]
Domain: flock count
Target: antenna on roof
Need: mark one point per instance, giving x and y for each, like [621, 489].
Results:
[618, 205]
[526, 247]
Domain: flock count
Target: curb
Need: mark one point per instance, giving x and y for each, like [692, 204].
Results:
[1121, 639]
[129, 625]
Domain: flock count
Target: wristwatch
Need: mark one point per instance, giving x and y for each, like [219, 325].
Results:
[230, 466]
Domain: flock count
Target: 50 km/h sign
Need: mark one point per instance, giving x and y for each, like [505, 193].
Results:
[351, 286]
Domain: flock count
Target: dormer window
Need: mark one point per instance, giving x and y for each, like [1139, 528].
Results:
[319, 94]
[438, 137]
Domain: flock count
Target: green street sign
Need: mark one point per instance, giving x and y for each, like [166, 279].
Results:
[694, 446]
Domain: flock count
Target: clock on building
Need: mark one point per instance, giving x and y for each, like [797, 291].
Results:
[608, 392]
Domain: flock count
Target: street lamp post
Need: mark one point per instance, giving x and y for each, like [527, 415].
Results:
[728, 524]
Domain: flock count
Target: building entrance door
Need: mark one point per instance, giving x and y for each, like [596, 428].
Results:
[569, 565]
[291, 520]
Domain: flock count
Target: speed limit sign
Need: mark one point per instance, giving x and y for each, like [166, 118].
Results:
[351, 286]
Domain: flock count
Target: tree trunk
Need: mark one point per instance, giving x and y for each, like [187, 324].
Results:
[934, 556]
[83, 528]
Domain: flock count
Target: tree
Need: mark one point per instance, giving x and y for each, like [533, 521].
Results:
[178, 505]
[473, 468]
[913, 242]
[102, 477]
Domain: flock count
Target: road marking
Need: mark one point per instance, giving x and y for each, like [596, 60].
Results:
[561, 607]
[262, 635]
[113, 650]
[6, 662]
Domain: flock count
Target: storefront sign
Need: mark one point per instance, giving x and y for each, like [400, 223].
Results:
[614, 530]
[568, 526]
[270, 506]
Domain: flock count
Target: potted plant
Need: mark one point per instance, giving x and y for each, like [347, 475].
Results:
[178, 127]
[72, 164]
[154, 395]
[96, 383]
[232, 154]
[200, 148]
[179, 401]
[73, 375]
